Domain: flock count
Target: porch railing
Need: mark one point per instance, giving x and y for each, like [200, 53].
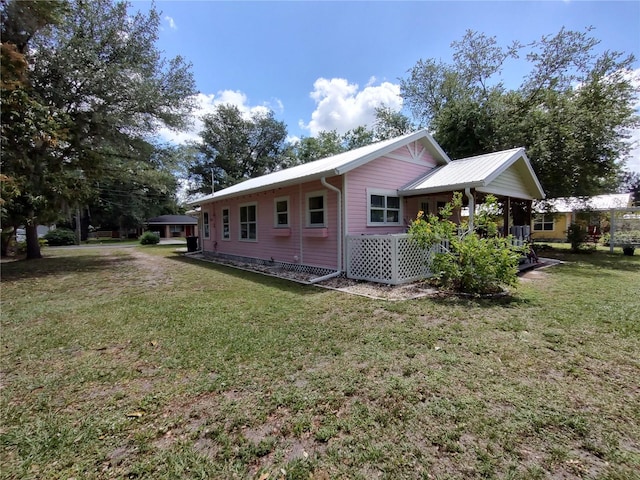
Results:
[391, 259]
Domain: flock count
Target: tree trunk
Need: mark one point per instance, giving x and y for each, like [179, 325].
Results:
[33, 246]
[6, 240]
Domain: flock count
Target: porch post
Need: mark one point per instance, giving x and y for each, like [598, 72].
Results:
[506, 213]
[612, 230]
[529, 213]
[472, 206]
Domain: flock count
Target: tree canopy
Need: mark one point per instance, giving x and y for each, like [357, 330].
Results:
[572, 112]
[87, 94]
[235, 147]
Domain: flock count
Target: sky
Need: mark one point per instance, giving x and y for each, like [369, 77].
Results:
[327, 65]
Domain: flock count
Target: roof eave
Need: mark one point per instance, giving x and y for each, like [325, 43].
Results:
[286, 183]
[440, 189]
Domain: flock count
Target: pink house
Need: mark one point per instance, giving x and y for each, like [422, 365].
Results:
[307, 216]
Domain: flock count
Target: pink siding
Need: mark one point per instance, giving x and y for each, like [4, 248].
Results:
[317, 246]
[387, 174]
[273, 243]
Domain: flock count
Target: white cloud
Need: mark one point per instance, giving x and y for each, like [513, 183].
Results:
[341, 106]
[207, 103]
[171, 22]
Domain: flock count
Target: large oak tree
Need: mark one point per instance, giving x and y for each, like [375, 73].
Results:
[97, 75]
[572, 112]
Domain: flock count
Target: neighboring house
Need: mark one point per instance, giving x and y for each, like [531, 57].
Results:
[172, 226]
[41, 229]
[555, 215]
[315, 216]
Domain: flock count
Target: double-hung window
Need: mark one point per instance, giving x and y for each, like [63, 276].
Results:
[316, 209]
[543, 223]
[281, 209]
[383, 207]
[205, 224]
[249, 222]
[226, 224]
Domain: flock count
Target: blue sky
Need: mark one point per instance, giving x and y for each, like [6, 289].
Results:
[327, 65]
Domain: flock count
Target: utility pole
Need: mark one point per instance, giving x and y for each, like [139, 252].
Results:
[212, 182]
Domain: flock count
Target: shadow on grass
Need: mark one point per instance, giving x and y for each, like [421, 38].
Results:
[254, 277]
[505, 301]
[51, 266]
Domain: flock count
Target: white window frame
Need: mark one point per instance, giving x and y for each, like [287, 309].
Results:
[287, 212]
[176, 228]
[541, 219]
[247, 222]
[308, 211]
[385, 194]
[226, 235]
[205, 225]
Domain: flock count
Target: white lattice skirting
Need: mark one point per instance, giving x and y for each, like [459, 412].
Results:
[391, 259]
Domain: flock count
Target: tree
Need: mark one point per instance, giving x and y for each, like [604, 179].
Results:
[28, 126]
[235, 147]
[103, 88]
[390, 124]
[571, 112]
[130, 193]
[630, 183]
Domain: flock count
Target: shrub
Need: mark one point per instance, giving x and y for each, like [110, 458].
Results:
[21, 247]
[60, 237]
[149, 238]
[577, 236]
[471, 263]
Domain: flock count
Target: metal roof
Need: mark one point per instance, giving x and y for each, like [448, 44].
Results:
[330, 166]
[472, 172]
[173, 220]
[598, 202]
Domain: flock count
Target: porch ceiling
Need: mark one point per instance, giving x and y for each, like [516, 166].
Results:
[506, 173]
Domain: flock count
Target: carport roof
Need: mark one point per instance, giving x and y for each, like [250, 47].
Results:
[172, 220]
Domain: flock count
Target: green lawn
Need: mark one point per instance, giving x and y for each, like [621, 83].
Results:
[140, 363]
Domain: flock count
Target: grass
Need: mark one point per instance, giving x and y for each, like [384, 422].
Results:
[140, 363]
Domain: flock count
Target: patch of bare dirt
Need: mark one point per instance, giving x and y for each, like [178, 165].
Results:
[151, 269]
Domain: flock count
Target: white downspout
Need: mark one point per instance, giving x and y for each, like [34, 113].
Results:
[324, 182]
[472, 206]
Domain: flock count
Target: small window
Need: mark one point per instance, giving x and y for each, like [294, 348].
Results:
[205, 224]
[384, 208]
[248, 222]
[543, 223]
[316, 203]
[226, 226]
[176, 228]
[281, 208]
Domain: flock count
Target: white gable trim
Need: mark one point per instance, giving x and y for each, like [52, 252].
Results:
[518, 155]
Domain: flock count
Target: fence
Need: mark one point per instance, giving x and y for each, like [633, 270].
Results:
[391, 259]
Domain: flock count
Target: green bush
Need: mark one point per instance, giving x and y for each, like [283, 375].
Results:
[21, 247]
[472, 262]
[149, 238]
[60, 237]
[626, 237]
[577, 236]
